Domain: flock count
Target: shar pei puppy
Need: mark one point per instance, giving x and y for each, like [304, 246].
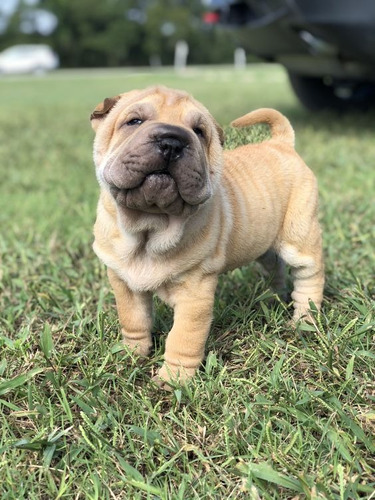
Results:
[176, 210]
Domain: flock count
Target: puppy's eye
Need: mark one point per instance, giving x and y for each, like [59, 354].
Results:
[198, 131]
[134, 121]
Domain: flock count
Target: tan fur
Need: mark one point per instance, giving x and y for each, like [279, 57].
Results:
[263, 204]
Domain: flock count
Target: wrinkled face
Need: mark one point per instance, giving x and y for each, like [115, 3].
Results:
[157, 151]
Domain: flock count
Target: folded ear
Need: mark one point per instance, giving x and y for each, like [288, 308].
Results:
[102, 110]
[220, 132]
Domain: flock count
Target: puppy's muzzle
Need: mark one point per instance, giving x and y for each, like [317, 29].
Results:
[161, 170]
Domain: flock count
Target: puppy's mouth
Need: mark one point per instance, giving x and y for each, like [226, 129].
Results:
[164, 174]
[158, 193]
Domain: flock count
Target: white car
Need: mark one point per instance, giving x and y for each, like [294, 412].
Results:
[28, 59]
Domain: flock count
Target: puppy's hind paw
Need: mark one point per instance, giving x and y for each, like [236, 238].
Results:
[305, 314]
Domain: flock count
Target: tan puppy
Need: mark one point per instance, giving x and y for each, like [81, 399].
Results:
[175, 210]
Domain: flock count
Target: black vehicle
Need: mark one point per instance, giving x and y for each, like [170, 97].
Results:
[327, 46]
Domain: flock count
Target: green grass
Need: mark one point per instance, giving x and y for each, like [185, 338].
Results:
[272, 414]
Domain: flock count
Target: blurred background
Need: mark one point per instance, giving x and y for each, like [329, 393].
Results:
[326, 47]
[114, 32]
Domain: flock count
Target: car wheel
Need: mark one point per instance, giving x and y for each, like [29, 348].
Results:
[316, 93]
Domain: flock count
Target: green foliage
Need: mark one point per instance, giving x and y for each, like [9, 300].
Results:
[95, 33]
[273, 414]
[159, 16]
[205, 44]
[103, 33]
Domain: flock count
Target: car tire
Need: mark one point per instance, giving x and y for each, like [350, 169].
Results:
[316, 94]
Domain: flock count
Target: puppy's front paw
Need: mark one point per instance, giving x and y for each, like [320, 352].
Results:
[170, 375]
[140, 347]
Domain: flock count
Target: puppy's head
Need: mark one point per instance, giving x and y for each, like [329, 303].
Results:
[157, 151]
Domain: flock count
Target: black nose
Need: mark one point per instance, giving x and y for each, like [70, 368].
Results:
[171, 148]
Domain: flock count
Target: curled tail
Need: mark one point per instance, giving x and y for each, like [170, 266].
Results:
[281, 129]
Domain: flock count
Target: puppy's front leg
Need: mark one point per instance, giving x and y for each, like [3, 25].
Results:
[135, 315]
[193, 302]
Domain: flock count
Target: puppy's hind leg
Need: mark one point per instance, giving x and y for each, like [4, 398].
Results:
[308, 280]
[275, 269]
[301, 248]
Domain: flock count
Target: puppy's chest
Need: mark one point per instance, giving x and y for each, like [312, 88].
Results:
[145, 273]
[140, 270]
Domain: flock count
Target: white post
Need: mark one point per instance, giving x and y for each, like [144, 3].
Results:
[239, 58]
[181, 53]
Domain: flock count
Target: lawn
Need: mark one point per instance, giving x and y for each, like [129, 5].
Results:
[273, 413]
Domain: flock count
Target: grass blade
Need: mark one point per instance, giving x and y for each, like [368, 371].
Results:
[265, 472]
[19, 380]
